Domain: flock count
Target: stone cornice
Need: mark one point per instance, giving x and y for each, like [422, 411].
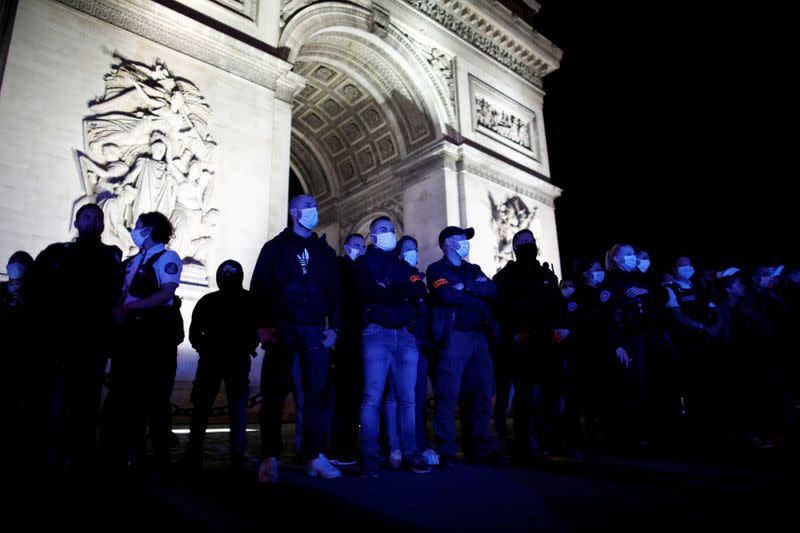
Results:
[530, 55]
[168, 28]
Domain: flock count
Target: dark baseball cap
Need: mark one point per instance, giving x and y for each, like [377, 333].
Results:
[449, 231]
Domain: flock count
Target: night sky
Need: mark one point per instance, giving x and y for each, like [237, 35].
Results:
[668, 126]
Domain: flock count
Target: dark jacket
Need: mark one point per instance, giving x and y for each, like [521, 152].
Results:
[467, 309]
[285, 296]
[351, 301]
[223, 324]
[529, 301]
[389, 288]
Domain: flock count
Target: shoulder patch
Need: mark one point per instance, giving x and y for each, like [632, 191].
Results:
[171, 268]
[415, 278]
[605, 296]
[439, 282]
[572, 306]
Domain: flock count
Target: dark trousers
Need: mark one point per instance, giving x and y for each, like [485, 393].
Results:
[536, 399]
[503, 379]
[464, 371]
[347, 387]
[276, 383]
[143, 374]
[212, 370]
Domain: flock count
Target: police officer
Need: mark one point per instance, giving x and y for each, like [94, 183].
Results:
[224, 334]
[297, 290]
[389, 289]
[143, 372]
[461, 324]
[533, 316]
[73, 287]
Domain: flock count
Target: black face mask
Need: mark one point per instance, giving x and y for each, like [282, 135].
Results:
[230, 281]
[526, 253]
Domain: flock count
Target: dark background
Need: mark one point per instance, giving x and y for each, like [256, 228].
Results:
[669, 126]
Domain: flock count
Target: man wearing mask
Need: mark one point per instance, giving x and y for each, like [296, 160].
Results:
[223, 332]
[534, 321]
[389, 289]
[297, 291]
[348, 371]
[73, 286]
[461, 325]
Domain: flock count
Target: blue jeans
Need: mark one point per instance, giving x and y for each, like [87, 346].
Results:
[393, 352]
[390, 412]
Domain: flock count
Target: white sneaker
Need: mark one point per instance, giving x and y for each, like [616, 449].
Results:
[395, 458]
[431, 457]
[321, 467]
[268, 470]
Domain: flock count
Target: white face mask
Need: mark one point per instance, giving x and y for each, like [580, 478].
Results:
[15, 270]
[139, 237]
[386, 241]
[351, 252]
[629, 262]
[598, 276]
[411, 257]
[463, 248]
[568, 291]
[643, 265]
[309, 217]
[685, 272]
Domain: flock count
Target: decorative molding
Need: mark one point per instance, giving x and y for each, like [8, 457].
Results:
[530, 62]
[246, 8]
[210, 47]
[503, 119]
[380, 21]
[381, 196]
[482, 170]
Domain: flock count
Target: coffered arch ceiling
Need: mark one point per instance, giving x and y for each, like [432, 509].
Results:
[357, 115]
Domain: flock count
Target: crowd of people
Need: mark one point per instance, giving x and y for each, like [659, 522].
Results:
[616, 355]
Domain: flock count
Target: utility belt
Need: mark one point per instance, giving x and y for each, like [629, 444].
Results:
[163, 322]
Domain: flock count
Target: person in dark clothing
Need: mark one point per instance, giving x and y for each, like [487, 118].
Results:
[629, 330]
[389, 290]
[223, 332]
[20, 363]
[297, 291]
[73, 287]
[533, 318]
[461, 325]
[348, 370]
[143, 370]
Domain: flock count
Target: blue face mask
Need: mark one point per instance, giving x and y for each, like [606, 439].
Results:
[463, 248]
[643, 265]
[629, 262]
[386, 241]
[685, 272]
[598, 276]
[15, 270]
[309, 218]
[351, 252]
[411, 257]
[138, 236]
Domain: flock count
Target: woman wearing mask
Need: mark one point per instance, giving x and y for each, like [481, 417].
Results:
[409, 252]
[628, 334]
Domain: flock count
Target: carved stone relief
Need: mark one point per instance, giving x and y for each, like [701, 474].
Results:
[147, 148]
[246, 8]
[509, 216]
[503, 119]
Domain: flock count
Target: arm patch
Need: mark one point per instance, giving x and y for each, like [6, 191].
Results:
[171, 268]
[439, 282]
[415, 278]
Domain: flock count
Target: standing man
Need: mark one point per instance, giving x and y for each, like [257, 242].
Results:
[461, 324]
[389, 289]
[348, 371]
[73, 287]
[296, 288]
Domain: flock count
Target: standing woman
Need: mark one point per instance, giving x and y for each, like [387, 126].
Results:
[143, 372]
[628, 334]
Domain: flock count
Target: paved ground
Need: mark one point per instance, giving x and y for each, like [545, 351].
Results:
[605, 493]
